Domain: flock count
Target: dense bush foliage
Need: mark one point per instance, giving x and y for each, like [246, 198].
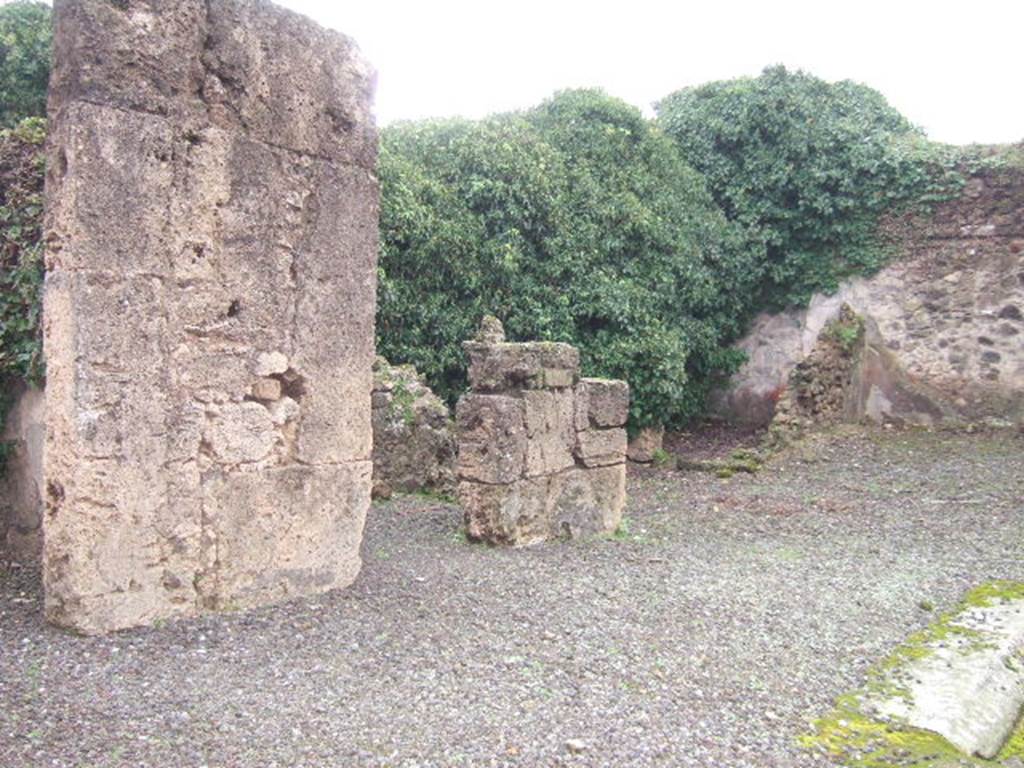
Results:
[576, 221]
[807, 167]
[21, 260]
[26, 36]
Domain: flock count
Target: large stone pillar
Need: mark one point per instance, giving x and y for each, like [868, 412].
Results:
[211, 238]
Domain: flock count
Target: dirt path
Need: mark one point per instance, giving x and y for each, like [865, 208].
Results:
[726, 616]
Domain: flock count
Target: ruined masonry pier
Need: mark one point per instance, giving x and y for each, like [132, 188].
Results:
[211, 243]
[542, 452]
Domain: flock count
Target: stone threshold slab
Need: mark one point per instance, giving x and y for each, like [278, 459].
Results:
[965, 681]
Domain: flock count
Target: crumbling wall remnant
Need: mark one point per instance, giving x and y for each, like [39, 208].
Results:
[211, 241]
[542, 452]
[819, 387]
[413, 434]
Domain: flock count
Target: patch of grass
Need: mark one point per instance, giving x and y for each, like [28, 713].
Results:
[661, 458]
[626, 531]
[429, 494]
[621, 533]
[861, 742]
[461, 536]
[1014, 747]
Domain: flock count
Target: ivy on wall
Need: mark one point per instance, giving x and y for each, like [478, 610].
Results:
[807, 167]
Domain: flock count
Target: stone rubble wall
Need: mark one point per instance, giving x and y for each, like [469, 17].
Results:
[821, 388]
[542, 452]
[211, 245]
[413, 434]
[21, 478]
[944, 322]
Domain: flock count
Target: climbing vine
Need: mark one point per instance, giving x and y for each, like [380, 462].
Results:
[807, 167]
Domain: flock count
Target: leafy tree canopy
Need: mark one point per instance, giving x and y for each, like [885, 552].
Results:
[26, 37]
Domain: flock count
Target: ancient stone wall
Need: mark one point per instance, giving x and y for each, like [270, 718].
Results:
[944, 323]
[413, 434]
[541, 452]
[211, 241]
[21, 476]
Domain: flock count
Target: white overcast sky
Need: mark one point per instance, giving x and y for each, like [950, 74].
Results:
[953, 68]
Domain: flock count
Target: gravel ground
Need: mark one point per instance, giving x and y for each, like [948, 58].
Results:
[728, 615]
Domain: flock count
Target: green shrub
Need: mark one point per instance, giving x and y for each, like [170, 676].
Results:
[576, 221]
[21, 255]
[807, 167]
[26, 36]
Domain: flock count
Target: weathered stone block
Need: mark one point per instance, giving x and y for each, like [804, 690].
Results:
[587, 501]
[601, 403]
[560, 482]
[267, 390]
[568, 504]
[301, 535]
[211, 245]
[515, 513]
[413, 434]
[601, 447]
[550, 436]
[533, 365]
[492, 438]
[21, 482]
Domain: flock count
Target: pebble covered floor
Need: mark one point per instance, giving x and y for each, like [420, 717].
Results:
[720, 621]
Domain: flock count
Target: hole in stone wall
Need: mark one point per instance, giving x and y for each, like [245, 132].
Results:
[54, 497]
[61, 166]
[234, 308]
[293, 385]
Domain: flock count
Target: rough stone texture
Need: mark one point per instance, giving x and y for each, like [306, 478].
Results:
[645, 444]
[541, 453]
[550, 431]
[944, 322]
[21, 479]
[504, 366]
[211, 243]
[413, 434]
[491, 437]
[601, 403]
